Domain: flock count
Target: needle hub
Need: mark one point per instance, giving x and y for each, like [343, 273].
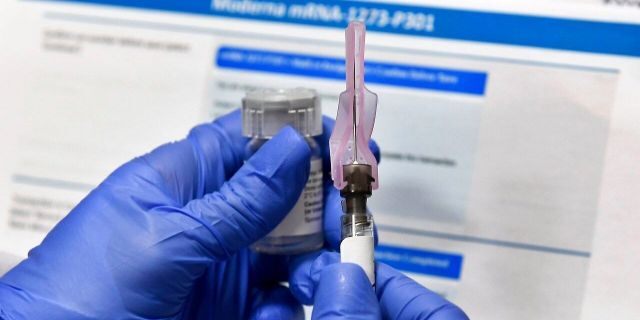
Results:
[357, 189]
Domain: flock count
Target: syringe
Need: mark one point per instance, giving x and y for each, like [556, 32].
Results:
[354, 169]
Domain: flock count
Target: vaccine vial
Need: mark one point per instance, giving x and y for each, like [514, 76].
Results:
[264, 113]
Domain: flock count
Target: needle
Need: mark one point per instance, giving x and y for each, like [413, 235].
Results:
[355, 134]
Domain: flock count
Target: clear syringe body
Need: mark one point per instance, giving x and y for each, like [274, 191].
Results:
[358, 242]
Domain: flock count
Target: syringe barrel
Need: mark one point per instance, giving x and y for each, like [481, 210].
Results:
[358, 243]
[357, 225]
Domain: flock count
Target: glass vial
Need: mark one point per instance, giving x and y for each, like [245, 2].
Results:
[264, 113]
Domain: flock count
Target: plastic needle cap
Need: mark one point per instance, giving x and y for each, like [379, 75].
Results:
[349, 142]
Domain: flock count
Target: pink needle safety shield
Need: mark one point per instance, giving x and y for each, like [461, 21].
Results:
[349, 142]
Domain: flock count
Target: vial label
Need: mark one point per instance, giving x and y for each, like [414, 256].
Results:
[306, 216]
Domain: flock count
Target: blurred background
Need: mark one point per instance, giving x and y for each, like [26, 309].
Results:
[510, 130]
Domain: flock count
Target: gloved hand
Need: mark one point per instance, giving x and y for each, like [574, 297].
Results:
[165, 236]
[342, 291]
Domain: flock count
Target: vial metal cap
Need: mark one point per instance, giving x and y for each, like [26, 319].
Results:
[266, 111]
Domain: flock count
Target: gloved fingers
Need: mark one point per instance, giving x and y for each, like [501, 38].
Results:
[332, 217]
[304, 273]
[229, 143]
[402, 298]
[323, 142]
[200, 164]
[257, 197]
[343, 291]
[276, 303]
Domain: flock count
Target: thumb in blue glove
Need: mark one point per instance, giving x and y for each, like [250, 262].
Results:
[336, 290]
[344, 292]
[165, 236]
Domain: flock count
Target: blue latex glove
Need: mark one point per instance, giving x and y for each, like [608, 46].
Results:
[342, 291]
[165, 236]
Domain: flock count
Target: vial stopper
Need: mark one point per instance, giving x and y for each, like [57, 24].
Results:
[266, 111]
